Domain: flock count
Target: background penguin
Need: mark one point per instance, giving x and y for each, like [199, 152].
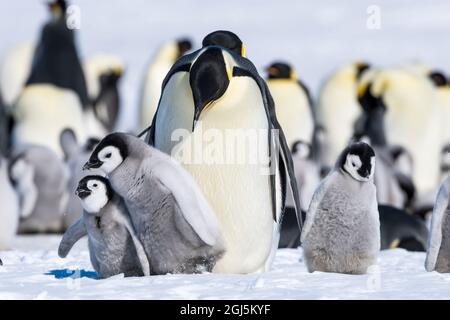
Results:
[161, 63]
[40, 178]
[410, 119]
[338, 108]
[394, 188]
[55, 91]
[76, 156]
[400, 229]
[292, 103]
[307, 172]
[217, 83]
[172, 219]
[438, 250]
[113, 245]
[15, 68]
[342, 228]
[442, 86]
[9, 214]
[103, 73]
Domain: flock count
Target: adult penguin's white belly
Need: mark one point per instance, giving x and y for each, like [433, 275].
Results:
[292, 109]
[443, 101]
[42, 112]
[14, 70]
[412, 121]
[152, 91]
[338, 110]
[236, 187]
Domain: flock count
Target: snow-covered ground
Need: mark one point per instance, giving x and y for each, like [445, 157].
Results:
[34, 271]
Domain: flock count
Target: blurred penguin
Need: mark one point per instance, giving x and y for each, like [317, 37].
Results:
[442, 86]
[160, 65]
[9, 214]
[55, 92]
[292, 103]
[103, 73]
[394, 188]
[15, 68]
[76, 155]
[411, 118]
[399, 229]
[40, 179]
[338, 108]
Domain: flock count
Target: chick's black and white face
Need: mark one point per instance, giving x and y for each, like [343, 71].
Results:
[108, 154]
[360, 162]
[110, 158]
[93, 193]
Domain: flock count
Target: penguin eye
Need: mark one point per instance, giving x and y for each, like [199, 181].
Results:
[108, 155]
[95, 185]
[353, 164]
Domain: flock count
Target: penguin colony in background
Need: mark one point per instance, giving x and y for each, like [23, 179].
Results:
[361, 166]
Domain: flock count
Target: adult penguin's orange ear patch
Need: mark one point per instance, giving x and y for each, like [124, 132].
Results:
[273, 72]
[242, 51]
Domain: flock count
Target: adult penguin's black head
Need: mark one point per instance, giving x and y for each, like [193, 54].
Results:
[226, 39]
[280, 70]
[57, 8]
[184, 45]
[438, 78]
[209, 79]
[361, 67]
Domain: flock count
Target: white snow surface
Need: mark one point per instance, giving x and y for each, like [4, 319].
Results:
[33, 270]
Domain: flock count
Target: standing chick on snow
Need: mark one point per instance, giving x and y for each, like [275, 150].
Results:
[113, 244]
[342, 229]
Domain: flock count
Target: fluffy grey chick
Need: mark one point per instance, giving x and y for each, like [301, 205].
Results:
[342, 229]
[174, 222]
[113, 245]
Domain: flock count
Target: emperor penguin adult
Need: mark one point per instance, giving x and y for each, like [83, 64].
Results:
[103, 73]
[293, 104]
[338, 109]
[342, 227]
[55, 92]
[394, 187]
[411, 118]
[161, 63]
[438, 251]
[175, 224]
[247, 167]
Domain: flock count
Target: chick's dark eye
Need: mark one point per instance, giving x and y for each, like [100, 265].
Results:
[108, 155]
[95, 185]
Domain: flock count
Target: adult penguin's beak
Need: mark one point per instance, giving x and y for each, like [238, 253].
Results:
[209, 79]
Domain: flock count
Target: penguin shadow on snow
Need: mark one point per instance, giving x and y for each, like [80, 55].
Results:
[74, 274]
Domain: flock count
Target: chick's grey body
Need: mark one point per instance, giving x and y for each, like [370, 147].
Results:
[111, 247]
[171, 242]
[438, 251]
[345, 233]
[112, 241]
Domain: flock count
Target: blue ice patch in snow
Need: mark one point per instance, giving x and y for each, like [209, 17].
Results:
[75, 274]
